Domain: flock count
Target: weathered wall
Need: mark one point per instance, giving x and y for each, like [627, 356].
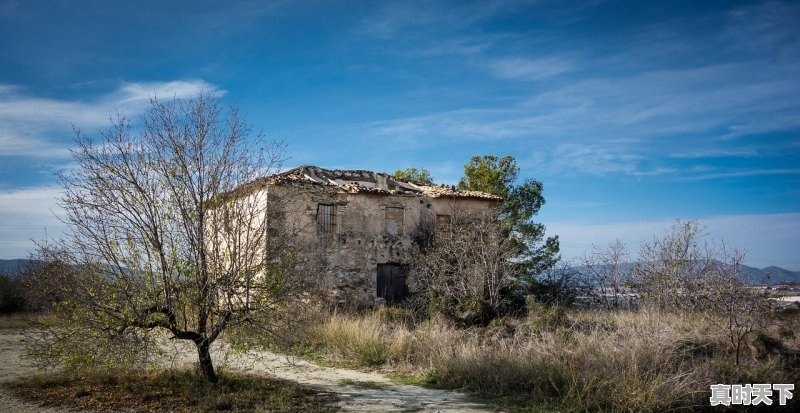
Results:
[363, 238]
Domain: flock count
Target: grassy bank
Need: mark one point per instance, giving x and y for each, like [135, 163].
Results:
[184, 391]
[579, 360]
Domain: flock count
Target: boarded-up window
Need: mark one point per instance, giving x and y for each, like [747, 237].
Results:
[394, 221]
[442, 224]
[326, 219]
[392, 282]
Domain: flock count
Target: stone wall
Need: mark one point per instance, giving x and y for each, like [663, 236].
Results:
[370, 229]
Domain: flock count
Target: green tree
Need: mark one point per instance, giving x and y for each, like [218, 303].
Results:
[422, 176]
[521, 201]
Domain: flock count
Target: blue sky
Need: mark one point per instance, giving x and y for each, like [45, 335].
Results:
[632, 113]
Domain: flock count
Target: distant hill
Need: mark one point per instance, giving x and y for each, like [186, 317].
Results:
[12, 267]
[754, 275]
[777, 275]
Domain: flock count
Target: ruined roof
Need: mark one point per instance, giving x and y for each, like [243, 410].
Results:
[361, 181]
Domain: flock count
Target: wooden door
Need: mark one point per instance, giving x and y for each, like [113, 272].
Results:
[392, 282]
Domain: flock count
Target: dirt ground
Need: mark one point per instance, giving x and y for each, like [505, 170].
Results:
[358, 391]
[13, 366]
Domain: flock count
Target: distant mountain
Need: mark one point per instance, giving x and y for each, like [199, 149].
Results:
[12, 267]
[776, 275]
[770, 275]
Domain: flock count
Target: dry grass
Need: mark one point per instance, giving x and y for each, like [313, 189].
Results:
[183, 391]
[360, 340]
[587, 360]
[21, 321]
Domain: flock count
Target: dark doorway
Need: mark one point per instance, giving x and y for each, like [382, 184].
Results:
[392, 282]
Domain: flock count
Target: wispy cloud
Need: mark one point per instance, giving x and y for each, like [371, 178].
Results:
[28, 214]
[716, 153]
[687, 101]
[652, 103]
[580, 121]
[768, 25]
[467, 124]
[397, 17]
[530, 68]
[455, 46]
[39, 127]
[740, 173]
[595, 159]
[137, 94]
[237, 15]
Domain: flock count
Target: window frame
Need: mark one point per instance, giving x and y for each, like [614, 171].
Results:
[326, 219]
[401, 225]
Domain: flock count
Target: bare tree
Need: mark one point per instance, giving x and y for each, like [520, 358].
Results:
[672, 269]
[736, 307]
[560, 285]
[468, 269]
[681, 271]
[609, 276]
[168, 232]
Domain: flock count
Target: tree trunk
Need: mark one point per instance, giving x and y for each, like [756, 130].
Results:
[206, 366]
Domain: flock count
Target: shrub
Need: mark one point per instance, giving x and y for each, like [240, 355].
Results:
[581, 360]
[468, 272]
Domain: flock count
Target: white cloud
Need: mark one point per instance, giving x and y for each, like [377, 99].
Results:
[140, 93]
[692, 113]
[650, 105]
[41, 127]
[26, 215]
[686, 111]
[769, 239]
[29, 142]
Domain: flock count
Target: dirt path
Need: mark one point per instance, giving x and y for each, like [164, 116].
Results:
[367, 391]
[359, 391]
[13, 366]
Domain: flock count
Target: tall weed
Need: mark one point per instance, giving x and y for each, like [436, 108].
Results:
[584, 360]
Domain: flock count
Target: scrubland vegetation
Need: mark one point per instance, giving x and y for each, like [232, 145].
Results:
[581, 360]
[644, 337]
[647, 336]
[491, 313]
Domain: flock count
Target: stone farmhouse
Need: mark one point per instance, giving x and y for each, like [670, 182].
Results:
[368, 224]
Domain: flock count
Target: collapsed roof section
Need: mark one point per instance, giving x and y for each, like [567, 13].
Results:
[361, 181]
